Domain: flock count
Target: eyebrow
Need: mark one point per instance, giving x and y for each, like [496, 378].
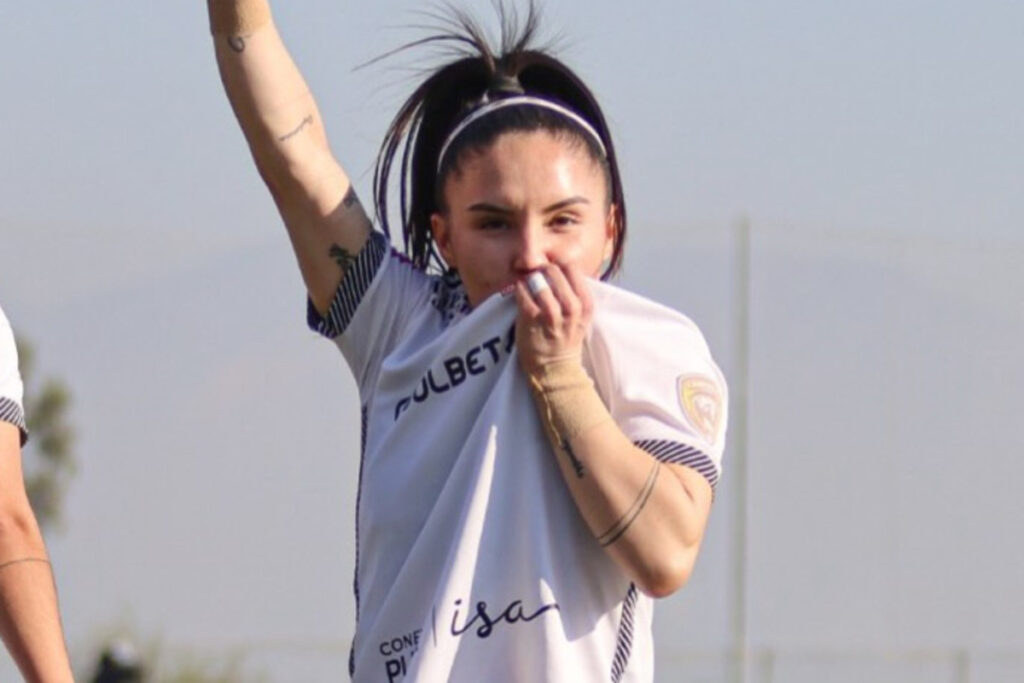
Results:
[494, 208]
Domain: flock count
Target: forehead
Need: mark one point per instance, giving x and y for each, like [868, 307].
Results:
[532, 162]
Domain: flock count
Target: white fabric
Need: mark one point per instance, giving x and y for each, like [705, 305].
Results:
[11, 388]
[473, 562]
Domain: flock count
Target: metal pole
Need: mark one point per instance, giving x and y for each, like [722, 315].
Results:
[738, 420]
[766, 667]
[962, 663]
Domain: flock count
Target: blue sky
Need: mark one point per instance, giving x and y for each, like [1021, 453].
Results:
[877, 148]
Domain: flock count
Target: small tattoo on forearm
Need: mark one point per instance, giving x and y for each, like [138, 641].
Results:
[350, 199]
[343, 257]
[237, 43]
[615, 532]
[577, 466]
[308, 121]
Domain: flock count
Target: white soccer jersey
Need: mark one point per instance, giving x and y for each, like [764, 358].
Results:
[11, 388]
[472, 561]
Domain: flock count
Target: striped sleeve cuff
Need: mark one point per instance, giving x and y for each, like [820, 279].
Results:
[350, 292]
[675, 453]
[11, 412]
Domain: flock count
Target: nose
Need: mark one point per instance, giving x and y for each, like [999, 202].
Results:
[531, 250]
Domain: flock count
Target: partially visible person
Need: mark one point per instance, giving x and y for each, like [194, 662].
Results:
[29, 617]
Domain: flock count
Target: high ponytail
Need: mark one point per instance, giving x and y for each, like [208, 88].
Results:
[477, 75]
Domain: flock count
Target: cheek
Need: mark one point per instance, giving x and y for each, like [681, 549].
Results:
[587, 250]
[478, 260]
[461, 243]
[572, 251]
[466, 247]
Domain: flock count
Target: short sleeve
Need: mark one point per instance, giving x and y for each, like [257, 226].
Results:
[370, 312]
[655, 372]
[11, 388]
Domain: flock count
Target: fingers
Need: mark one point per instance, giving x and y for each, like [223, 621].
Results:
[567, 303]
[536, 282]
[524, 298]
[559, 293]
[554, 315]
[581, 288]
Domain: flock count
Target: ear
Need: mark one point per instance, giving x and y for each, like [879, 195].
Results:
[611, 231]
[442, 238]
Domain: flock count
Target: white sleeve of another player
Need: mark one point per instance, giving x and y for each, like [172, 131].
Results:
[655, 373]
[11, 388]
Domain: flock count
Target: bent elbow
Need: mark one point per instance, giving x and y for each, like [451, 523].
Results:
[667, 577]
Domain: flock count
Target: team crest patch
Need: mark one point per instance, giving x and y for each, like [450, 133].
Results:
[702, 405]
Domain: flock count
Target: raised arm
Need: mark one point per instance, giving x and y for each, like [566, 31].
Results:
[282, 125]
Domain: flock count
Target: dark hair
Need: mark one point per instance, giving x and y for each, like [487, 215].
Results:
[451, 92]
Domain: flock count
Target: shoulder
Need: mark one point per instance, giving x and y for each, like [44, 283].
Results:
[11, 388]
[8, 351]
[656, 373]
[638, 325]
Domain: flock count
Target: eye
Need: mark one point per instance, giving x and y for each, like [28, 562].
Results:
[564, 221]
[493, 223]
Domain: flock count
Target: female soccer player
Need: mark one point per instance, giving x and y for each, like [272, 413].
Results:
[539, 448]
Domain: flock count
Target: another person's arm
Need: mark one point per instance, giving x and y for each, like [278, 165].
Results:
[282, 125]
[29, 619]
[649, 515]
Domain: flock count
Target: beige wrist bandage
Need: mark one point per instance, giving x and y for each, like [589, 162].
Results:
[568, 403]
[237, 17]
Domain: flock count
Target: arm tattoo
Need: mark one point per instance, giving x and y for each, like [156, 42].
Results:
[342, 257]
[43, 560]
[577, 466]
[237, 43]
[615, 532]
[308, 121]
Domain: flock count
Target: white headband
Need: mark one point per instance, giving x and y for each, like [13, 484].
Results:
[518, 100]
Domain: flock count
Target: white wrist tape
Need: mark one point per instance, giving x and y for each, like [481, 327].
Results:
[536, 282]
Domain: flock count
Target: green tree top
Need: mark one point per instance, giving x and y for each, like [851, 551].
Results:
[48, 457]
